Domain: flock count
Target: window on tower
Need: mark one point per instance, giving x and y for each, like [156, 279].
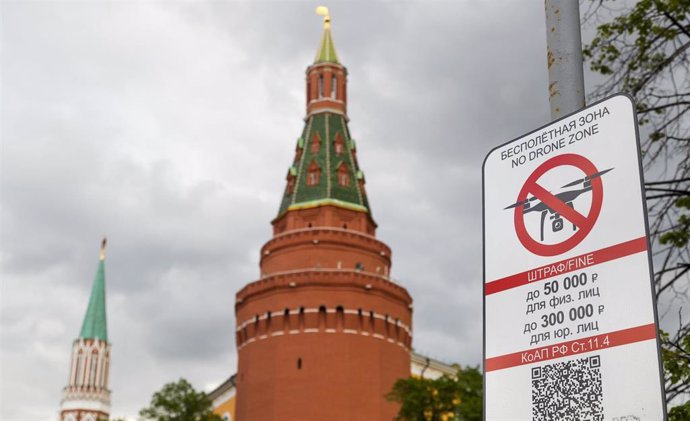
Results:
[343, 175]
[334, 87]
[343, 179]
[313, 173]
[94, 366]
[339, 144]
[313, 179]
[80, 369]
[320, 86]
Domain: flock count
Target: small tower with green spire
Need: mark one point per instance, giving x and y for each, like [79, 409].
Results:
[86, 396]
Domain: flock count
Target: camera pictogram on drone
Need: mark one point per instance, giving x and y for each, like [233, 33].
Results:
[560, 206]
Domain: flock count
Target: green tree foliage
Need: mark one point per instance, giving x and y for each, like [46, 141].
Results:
[448, 398]
[643, 50]
[680, 413]
[179, 402]
[471, 388]
[676, 353]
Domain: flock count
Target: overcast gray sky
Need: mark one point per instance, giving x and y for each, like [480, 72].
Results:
[169, 126]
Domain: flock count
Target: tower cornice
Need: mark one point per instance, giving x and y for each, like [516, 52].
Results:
[333, 279]
[327, 67]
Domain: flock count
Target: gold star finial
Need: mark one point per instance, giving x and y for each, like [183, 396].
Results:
[323, 11]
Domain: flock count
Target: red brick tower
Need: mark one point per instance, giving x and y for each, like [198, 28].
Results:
[324, 333]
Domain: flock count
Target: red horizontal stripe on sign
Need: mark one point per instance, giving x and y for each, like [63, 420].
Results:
[568, 265]
[577, 346]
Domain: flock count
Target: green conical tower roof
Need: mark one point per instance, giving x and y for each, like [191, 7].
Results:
[327, 150]
[326, 52]
[94, 326]
[325, 169]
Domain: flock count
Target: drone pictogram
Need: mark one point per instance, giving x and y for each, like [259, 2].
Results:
[567, 197]
[560, 206]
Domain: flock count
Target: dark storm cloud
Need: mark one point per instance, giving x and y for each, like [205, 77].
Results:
[170, 127]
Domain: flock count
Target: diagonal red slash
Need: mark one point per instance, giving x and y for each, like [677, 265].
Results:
[557, 205]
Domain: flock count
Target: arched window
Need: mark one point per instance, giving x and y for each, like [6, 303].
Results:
[343, 175]
[334, 87]
[312, 178]
[313, 173]
[94, 368]
[320, 86]
[80, 369]
[339, 144]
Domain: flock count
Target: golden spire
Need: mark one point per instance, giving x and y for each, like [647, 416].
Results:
[326, 52]
[323, 11]
[103, 244]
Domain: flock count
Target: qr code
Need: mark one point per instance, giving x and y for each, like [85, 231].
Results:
[568, 391]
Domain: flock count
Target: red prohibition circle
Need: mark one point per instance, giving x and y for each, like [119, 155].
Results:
[584, 223]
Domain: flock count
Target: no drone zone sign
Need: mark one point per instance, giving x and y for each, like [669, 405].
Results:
[570, 326]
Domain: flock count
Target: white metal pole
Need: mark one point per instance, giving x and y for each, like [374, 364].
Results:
[564, 57]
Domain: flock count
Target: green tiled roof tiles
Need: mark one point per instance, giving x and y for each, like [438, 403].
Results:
[329, 163]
